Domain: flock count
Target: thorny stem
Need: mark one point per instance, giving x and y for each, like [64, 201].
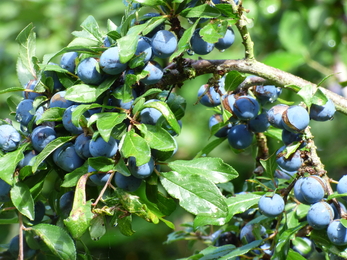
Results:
[104, 188]
[270, 75]
[263, 150]
[21, 242]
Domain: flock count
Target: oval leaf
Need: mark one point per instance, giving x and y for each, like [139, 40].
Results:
[134, 145]
[195, 193]
[57, 240]
[24, 206]
[213, 169]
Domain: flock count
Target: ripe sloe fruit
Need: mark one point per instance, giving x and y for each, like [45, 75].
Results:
[4, 191]
[24, 111]
[271, 206]
[127, 183]
[320, 215]
[216, 119]
[66, 157]
[199, 46]
[260, 123]
[342, 186]
[240, 137]
[164, 43]
[323, 112]
[226, 41]
[68, 61]
[313, 189]
[144, 46]
[295, 119]
[27, 159]
[143, 171]
[67, 121]
[101, 148]
[155, 73]
[292, 163]
[82, 146]
[275, 115]
[246, 107]
[14, 248]
[41, 136]
[98, 179]
[31, 95]
[337, 233]
[211, 98]
[298, 193]
[65, 203]
[58, 100]
[87, 71]
[247, 232]
[110, 61]
[267, 94]
[9, 138]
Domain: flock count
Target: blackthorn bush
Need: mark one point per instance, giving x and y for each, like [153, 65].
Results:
[101, 125]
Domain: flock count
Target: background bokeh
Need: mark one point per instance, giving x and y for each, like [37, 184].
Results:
[307, 38]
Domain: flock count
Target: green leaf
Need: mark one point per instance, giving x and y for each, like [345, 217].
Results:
[107, 121]
[201, 11]
[269, 165]
[127, 47]
[195, 193]
[157, 137]
[319, 98]
[213, 169]
[71, 178]
[9, 163]
[12, 89]
[25, 66]
[78, 112]
[183, 43]
[134, 145]
[344, 222]
[282, 247]
[242, 250]
[241, 202]
[97, 227]
[292, 255]
[154, 3]
[80, 216]
[212, 252]
[57, 240]
[124, 225]
[152, 24]
[25, 206]
[209, 147]
[52, 114]
[134, 204]
[176, 103]
[166, 112]
[101, 164]
[274, 133]
[227, 11]
[233, 79]
[213, 31]
[90, 92]
[306, 93]
[50, 147]
[91, 26]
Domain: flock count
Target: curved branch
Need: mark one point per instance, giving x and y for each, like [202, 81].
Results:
[193, 68]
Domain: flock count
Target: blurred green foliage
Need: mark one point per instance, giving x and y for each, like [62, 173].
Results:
[307, 38]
